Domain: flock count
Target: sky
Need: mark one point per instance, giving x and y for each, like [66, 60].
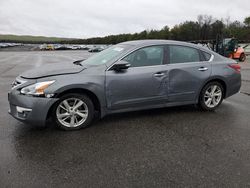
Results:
[96, 18]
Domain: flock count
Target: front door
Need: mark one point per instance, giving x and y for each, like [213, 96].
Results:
[144, 83]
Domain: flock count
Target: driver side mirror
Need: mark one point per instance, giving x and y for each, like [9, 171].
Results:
[120, 65]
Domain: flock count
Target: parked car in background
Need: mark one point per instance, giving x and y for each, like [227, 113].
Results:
[4, 45]
[130, 76]
[42, 46]
[47, 47]
[84, 47]
[64, 47]
[96, 49]
[7, 45]
[75, 47]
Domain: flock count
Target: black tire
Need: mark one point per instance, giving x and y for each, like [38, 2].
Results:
[90, 107]
[202, 97]
[242, 57]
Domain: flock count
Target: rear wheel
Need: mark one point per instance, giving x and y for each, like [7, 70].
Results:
[242, 57]
[211, 96]
[74, 111]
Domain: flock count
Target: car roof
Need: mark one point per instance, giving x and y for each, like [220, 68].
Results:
[141, 43]
[156, 42]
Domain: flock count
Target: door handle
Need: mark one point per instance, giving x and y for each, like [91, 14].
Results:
[203, 69]
[159, 74]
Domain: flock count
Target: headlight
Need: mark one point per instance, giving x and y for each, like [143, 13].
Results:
[36, 89]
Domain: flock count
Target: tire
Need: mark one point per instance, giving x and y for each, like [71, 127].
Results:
[73, 112]
[210, 100]
[242, 57]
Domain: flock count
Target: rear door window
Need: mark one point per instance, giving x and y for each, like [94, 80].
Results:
[183, 54]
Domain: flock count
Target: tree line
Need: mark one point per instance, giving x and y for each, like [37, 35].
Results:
[204, 28]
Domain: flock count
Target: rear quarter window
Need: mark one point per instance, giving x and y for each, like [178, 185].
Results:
[206, 55]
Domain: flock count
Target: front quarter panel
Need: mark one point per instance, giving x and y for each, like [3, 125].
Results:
[88, 81]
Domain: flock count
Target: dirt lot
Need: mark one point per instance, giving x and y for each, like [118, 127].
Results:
[171, 147]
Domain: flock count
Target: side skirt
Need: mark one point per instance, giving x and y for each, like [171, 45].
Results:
[107, 112]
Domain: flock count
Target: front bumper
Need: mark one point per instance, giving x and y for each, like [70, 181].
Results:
[28, 109]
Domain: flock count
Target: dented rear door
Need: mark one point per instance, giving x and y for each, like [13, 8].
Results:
[186, 78]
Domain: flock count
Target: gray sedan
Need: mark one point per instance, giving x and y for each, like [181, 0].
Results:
[130, 76]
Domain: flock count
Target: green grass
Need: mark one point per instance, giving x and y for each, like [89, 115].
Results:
[28, 38]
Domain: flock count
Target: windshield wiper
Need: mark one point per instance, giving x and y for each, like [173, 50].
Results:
[78, 62]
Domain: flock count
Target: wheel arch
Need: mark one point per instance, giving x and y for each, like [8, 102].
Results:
[215, 79]
[96, 101]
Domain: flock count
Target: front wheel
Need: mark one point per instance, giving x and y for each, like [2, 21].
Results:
[211, 96]
[74, 111]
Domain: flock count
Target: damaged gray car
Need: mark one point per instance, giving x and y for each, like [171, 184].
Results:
[130, 76]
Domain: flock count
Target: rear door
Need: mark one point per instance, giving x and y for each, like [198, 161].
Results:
[188, 70]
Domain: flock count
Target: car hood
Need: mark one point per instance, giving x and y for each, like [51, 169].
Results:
[52, 70]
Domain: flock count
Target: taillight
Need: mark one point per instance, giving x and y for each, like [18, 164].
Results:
[236, 67]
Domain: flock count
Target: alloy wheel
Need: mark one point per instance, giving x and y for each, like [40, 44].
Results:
[212, 96]
[72, 112]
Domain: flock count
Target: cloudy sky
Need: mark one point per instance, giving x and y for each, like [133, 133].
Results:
[89, 18]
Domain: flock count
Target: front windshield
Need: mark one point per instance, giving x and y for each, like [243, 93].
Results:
[105, 56]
